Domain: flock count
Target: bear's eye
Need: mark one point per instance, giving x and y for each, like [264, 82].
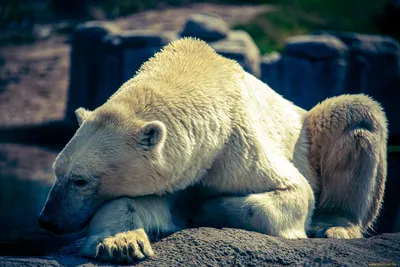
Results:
[80, 182]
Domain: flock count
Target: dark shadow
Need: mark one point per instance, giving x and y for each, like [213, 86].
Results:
[21, 199]
[387, 219]
[52, 135]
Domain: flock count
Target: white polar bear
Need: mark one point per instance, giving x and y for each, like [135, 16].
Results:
[194, 138]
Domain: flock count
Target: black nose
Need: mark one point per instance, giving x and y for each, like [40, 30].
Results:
[46, 224]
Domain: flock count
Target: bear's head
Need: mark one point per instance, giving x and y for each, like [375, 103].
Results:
[111, 155]
[159, 133]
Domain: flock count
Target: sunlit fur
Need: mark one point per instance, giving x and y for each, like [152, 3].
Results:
[193, 120]
[348, 151]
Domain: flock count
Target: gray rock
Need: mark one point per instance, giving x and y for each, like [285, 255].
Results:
[374, 69]
[139, 46]
[111, 69]
[134, 58]
[231, 247]
[205, 26]
[139, 38]
[306, 83]
[271, 71]
[240, 46]
[109, 60]
[317, 47]
[314, 68]
[103, 58]
[123, 54]
[86, 61]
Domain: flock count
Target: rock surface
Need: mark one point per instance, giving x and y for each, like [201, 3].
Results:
[240, 46]
[230, 247]
[325, 64]
[373, 69]
[103, 56]
[313, 69]
[85, 64]
[206, 27]
[315, 47]
[271, 71]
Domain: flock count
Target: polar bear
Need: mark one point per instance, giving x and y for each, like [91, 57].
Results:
[194, 140]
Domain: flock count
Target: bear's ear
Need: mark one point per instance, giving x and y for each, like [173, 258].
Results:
[152, 135]
[81, 115]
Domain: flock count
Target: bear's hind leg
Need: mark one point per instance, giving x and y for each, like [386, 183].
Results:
[280, 213]
[348, 136]
[284, 211]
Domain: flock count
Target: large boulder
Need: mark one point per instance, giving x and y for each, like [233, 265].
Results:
[138, 46]
[231, 247]
[240, 46]
[374, 69]
[111, 69]
[207, 27]
[103, 58]
[271, 71]
[86, 61]
[315, 47]
[123, 54]
[314, 68]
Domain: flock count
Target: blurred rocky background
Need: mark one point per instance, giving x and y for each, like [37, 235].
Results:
[58, 55]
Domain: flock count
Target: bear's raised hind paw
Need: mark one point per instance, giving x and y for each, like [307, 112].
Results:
[336, 232]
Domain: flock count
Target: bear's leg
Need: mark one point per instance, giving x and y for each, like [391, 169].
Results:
[284, 212]
[273, 213]
[348, 142]
[117, 232]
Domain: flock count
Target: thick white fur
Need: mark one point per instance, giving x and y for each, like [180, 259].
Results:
[242, 148]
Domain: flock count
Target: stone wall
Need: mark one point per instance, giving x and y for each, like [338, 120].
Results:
[310, 68]
[325, 64]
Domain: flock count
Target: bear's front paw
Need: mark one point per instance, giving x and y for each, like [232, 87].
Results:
[125, 247]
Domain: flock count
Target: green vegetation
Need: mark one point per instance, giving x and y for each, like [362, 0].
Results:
[270, 30]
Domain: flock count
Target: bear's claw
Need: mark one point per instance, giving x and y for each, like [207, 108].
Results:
[125, 247]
